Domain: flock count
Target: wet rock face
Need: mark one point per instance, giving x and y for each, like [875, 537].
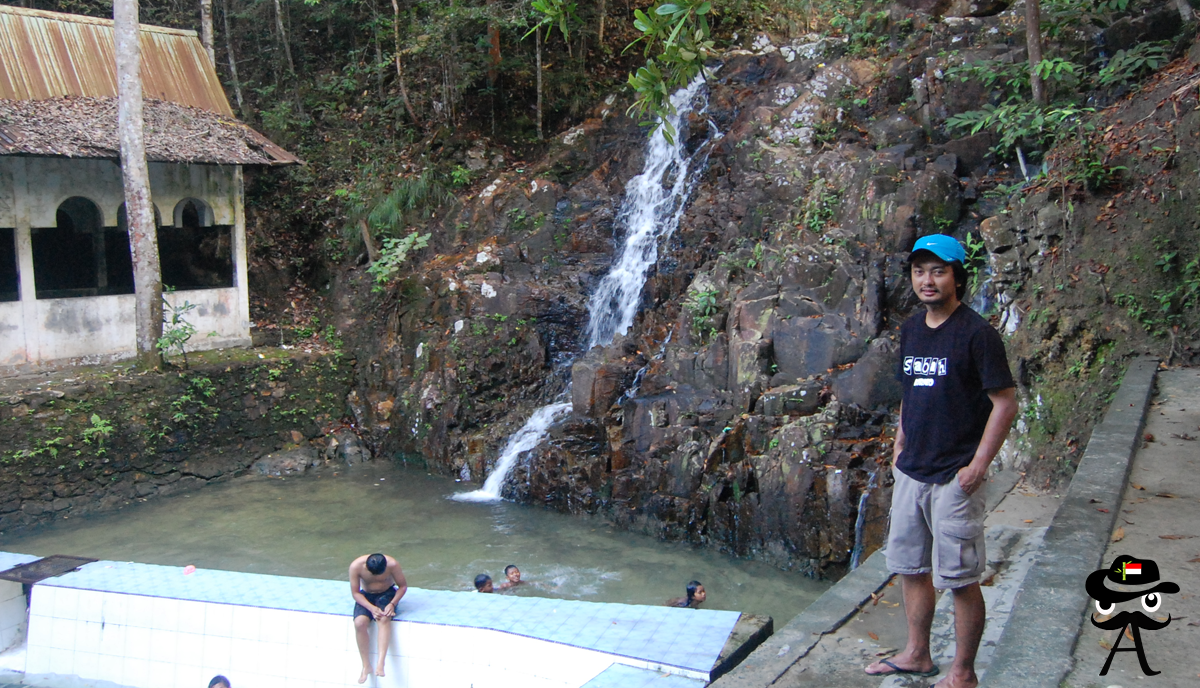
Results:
[749, 407]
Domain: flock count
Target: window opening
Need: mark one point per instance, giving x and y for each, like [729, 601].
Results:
[195, 254]
[9, 278]
[79, 256]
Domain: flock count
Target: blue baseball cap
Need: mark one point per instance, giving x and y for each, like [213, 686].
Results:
[945, 247]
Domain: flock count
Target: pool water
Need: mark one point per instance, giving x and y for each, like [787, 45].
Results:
[314, 525]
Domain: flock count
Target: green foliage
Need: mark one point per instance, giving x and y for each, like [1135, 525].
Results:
[176, 329]
[553, 13]
[1127, 66]
[1018, 122]
[411, 200]
[702, 305]
[98, 433]
[1166, 307]
[678, 34]
[392, 256]
[820, 209]
[976, 261]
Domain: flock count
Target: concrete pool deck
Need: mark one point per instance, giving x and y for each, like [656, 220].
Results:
[143, 625]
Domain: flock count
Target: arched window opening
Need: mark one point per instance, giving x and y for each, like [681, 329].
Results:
[9, 280]
[195, 253]
[79, 256]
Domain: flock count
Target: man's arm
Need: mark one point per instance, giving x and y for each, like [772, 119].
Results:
[1004, 410]
[389, 610]
[898, 443]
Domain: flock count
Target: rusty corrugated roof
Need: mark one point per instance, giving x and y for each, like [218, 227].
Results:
[49, 55]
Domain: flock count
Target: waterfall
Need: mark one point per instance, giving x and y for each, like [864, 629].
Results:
[650, 212]
[860, 523]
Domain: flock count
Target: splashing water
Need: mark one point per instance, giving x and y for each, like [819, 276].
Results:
[654, 202]
[528, 437]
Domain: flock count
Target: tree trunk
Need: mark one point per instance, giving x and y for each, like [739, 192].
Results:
[206, 30]
[233, 75]
[368, 240]
[283, 39]
[378, 49]
[603, 14]
[537, 39]
[400, 65]
[139, 211]
[1185, 10]
[1033, 43]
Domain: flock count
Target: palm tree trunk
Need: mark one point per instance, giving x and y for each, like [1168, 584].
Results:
[139, 210]
[537, 39]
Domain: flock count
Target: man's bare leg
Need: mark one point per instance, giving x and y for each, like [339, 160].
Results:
[364, 645]
[919, 600]
[384, 631]
[970, 614]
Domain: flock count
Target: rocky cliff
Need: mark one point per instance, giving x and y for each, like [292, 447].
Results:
[751, 405]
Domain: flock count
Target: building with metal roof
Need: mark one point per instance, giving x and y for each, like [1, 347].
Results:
[66, 275]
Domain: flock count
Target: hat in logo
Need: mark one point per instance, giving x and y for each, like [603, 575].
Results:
[1127, 570]
[945, 247]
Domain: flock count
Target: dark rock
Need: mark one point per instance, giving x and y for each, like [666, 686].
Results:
[974, 151]
[937, 199]
[1159, 24]
[997, 232]
[287, 462]
[946, 163]
[347, 448]
[975, 8]
[792, 400]
[895, 130]
[871, 382]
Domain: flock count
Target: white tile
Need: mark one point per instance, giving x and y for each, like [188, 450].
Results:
[137, 642]
[140, 611]
[246, 623]
[90, 605]
[66, 603]
[109, 668]
[330, 665]
[245, 656]
[335, 633]
[112, 640]
[162, 674]
[12, 612]
[37, 659]
[188, 676]
[189, 649]
[87, 664]
[136, 673]
[38, 633]
[41, 600]
[164, 646]
[62, 634]
[114, 608]
[191, 616]
[298, 682]
[218, 621]
[165, 615]
[271, 655]
[217, 651]
[269, 680]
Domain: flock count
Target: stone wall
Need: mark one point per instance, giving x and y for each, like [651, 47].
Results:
[102, 437]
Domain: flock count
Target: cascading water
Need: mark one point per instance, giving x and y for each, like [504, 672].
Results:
[650, 212]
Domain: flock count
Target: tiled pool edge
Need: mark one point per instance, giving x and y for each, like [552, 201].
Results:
[175, 632]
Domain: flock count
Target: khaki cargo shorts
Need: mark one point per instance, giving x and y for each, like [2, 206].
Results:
[936, 529]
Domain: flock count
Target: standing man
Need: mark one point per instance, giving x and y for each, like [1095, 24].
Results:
[959, 402]
[377, 584]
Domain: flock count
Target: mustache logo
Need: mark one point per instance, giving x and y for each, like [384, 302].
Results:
[1136, 619]
[1128, 571]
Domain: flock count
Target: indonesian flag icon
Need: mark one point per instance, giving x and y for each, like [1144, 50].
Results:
[1130, 569]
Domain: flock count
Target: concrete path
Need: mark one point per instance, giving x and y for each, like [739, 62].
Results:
[1160, 520]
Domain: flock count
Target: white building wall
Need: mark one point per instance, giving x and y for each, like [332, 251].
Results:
[102, 327]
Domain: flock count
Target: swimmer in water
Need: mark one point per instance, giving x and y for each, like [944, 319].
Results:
[376, 584]
[513, 574]
[483, 583]
[218, 681]
[695, 597]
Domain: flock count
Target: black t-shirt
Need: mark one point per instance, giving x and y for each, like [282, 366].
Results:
[946, 373]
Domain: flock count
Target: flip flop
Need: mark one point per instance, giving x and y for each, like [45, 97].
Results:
[897, 671]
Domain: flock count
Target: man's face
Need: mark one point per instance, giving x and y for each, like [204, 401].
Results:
[933, 280]
[700, 595]
[513, 575]
[487, 587]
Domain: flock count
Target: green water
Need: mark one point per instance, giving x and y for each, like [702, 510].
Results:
[313, 526]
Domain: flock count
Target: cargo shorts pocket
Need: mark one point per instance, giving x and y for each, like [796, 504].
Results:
[960, 548]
